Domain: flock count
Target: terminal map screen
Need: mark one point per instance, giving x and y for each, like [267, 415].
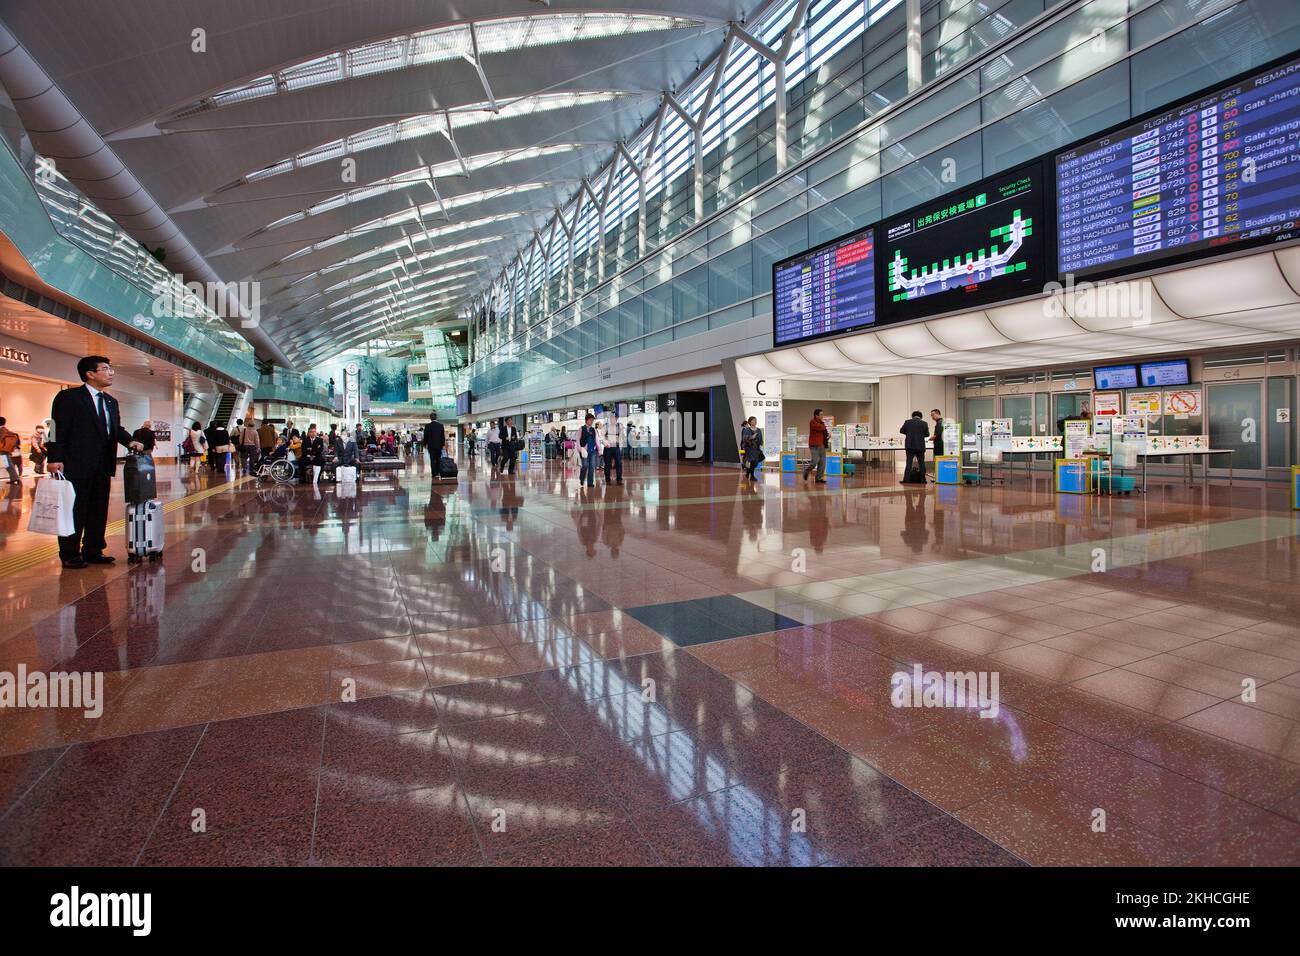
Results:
[966, 249]
[1165, 373]
[828, 289]
[1115, 376]
[1214, 174]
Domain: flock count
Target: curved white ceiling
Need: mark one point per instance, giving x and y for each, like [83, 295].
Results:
[502, 106]
[1238, 301]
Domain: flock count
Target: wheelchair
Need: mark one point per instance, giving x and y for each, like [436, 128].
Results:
[279, 470]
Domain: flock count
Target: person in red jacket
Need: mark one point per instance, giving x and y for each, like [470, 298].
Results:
[819, 436]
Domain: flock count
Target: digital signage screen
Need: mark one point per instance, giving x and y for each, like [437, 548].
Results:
[829, 289]
[1217, 173]
[1115, 376]
[464, 403]
[1165, 373]
[979, 245]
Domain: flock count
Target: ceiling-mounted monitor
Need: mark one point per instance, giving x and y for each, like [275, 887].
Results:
[464, 403]
[826, 290]
[1214, 174]
[979, 245]
[1171, 372]
[1106, 377]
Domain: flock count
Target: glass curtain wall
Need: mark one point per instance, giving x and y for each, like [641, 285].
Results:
[1061, 71]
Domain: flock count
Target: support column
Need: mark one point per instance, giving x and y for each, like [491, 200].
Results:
[900, 395]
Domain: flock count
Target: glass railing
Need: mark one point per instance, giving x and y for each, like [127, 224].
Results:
[76, 248]
[293, 388]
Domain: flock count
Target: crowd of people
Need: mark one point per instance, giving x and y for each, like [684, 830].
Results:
[247, 446]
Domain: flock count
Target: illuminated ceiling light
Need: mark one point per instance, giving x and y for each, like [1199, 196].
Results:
[439, 45]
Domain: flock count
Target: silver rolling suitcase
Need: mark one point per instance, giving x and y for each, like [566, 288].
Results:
[144, 531]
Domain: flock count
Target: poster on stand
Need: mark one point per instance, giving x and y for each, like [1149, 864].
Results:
[1144, 403]
[1078, 434]
[951, 436]
[837, 439]
[772, 434]
[791, 438]
[1106, 404]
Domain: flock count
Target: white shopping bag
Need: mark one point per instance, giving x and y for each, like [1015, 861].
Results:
[52, 507]
[347, 474]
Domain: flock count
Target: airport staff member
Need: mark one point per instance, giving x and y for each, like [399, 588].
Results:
[914, 431]
[87, 429]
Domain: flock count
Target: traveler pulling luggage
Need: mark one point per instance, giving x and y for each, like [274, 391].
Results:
[144, 512]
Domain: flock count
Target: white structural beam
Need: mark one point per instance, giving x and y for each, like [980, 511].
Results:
[779, 58]
[477, 60]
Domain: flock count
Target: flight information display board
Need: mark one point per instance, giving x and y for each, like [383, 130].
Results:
[828, 289]
[1217, 173]
[967, 249]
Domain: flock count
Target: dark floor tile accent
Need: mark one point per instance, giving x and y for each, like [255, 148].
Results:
[704, 620]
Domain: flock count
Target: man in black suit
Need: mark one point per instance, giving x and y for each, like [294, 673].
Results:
[915, 432]
[435, 439]
[87, 429]
[509, 445]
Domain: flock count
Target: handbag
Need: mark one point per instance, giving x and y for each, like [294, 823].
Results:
[52, 507]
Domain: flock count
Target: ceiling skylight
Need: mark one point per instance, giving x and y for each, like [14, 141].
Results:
[439, 45]
[426, 124]
[423, 177]
[408, 215]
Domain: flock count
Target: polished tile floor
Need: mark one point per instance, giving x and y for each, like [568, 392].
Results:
[683, 669]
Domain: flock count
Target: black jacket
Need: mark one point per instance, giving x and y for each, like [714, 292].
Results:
[435, 438]
[313, 451]
[938, 438]
[80, 443]
[917, 431]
